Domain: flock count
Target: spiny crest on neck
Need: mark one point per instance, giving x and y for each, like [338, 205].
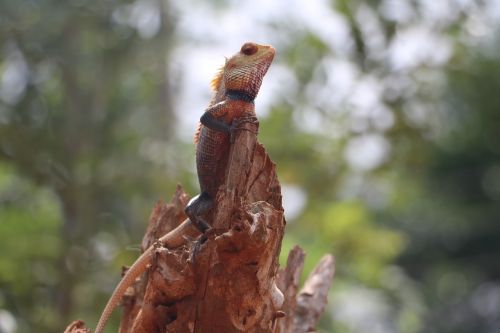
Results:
[217, 79]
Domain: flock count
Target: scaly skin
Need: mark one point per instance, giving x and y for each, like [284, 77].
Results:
[236, 86]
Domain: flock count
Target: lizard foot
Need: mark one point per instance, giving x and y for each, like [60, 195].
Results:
[200, 224]
[196, 247]
[198, 206]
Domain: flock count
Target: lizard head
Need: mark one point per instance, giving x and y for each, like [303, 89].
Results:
[245, 70]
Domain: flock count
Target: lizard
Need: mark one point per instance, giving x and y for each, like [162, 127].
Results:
[235, 87]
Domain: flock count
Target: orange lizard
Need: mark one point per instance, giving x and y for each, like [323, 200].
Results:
[236, 85]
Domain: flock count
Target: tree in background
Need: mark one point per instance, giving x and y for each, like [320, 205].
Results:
[83, 98]
[453, 226]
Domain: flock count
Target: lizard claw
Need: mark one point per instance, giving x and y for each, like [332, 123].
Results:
[197, 246]
[236, 125]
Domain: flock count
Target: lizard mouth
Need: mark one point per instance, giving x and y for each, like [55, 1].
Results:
[271, 51]
[268, 57]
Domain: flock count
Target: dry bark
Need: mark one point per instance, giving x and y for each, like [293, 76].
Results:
[228, 282]
[312, 298]
[77, 326]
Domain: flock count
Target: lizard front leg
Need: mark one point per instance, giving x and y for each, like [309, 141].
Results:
[212, 119]
[196, 208]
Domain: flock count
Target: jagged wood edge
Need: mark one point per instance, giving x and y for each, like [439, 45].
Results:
[288, 282]
[313, 297]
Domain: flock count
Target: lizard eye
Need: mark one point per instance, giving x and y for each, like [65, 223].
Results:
[249, 49]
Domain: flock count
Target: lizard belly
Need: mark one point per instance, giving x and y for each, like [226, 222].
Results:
[211, 155]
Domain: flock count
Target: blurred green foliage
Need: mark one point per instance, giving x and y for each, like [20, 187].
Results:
[404, 190]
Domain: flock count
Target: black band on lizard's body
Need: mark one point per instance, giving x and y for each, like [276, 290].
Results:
[240, 95]
[208, 120]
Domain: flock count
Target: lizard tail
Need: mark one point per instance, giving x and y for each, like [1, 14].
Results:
[173, 239]
[131, 275]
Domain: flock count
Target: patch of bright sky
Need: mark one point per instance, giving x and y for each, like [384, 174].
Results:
[14, 78]
[440, 13]
[397, 10]
[367, 151]
[294, 199]
[143, 15]
[8, 323]
[366, 106]
[418, 45]
[479, 26]
[372, 31]
[341, 76]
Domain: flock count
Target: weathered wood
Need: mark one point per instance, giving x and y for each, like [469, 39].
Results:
[77, 326]
[227, 281]
[313, 296]
[288, 282]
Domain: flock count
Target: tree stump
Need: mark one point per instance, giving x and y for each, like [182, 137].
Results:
[228, 281]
